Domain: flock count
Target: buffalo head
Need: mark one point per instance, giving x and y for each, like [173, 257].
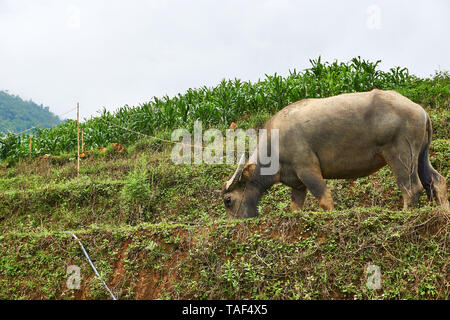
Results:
[240, 193]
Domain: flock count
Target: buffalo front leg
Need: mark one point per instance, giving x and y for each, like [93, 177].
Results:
[315, 183]
[298, 197]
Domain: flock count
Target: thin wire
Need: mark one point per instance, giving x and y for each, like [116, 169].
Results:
[136, 132]
[92, 265]
[153, 137]
[39, 124]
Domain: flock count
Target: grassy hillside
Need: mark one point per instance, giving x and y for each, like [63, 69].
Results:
[17, 115]
[156, 230]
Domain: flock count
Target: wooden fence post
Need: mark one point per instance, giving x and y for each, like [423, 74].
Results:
[78, 139]
[82, 140]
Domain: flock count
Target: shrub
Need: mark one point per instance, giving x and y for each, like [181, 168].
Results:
[137, 192]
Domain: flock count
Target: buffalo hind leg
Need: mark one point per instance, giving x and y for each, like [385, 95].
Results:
[404, 168]
[315, 183]
[298, 197]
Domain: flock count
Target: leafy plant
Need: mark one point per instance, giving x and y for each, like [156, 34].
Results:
[136, 192]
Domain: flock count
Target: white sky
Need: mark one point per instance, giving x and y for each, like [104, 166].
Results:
[108, 53]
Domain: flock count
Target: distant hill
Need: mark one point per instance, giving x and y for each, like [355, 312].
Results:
[17, 114]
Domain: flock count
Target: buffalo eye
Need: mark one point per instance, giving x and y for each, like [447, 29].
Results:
[227, 201]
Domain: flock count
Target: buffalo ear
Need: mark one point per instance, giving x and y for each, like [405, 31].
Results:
[248, 171]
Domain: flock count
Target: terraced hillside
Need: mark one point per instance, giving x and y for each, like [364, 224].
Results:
[156, 230]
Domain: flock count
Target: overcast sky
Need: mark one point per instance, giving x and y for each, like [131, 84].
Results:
[108, 53]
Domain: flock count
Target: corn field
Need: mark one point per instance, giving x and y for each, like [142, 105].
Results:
[217, 106]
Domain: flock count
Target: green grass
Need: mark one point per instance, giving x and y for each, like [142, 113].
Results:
[304, 255]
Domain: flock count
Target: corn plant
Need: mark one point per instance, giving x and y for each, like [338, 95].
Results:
[217, 106]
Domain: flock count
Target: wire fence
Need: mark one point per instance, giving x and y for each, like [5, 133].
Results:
[38, 125]
[109, 123]
[92, 265]
[157, 138]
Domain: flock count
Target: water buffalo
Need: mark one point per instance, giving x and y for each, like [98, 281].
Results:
[342, 137]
